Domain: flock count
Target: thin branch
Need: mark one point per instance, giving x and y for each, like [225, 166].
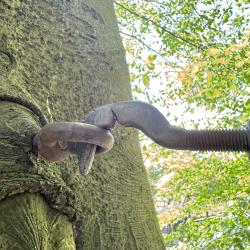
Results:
[147, 46]
[154, 3]
[193, 6]
[148, 97]
[158, 25]
[197, 13]
[202, 19]
[161, 4]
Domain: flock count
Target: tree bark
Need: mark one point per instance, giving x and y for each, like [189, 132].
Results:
[58, 60]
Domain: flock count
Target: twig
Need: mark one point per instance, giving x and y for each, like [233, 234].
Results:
[147, 46]
[202, 19]
[158, 25]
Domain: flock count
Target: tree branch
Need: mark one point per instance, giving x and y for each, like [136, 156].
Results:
[158, 25]
[156, 2]
[148, 47]
[202, 19]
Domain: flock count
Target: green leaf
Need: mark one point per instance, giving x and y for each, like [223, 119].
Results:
[146, 80]
[151, 58]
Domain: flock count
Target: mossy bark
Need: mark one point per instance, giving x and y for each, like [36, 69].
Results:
[28, 223]
[65, 58]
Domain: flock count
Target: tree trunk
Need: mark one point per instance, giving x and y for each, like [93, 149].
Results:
[58, 60]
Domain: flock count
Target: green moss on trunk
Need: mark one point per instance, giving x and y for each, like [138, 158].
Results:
[66, 57]
[28, 223]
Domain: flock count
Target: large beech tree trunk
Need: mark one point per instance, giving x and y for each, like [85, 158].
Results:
[58, 60]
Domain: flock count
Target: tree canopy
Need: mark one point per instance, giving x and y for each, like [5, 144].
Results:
[201, 46]
[193, 57]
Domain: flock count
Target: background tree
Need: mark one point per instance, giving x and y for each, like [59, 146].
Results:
[58, 60]
[191, 59]
[196, 51]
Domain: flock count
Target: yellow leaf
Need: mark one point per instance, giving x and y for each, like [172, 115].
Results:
[235, 47]
[244, 118]
[150, 59]
[182, 76]
[216, 93]
[239, 64]
[209, 76]
[213, 51]
[221, 60]
[228, 51]
[194, 69]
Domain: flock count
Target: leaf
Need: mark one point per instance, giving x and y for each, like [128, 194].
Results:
[209, 76]
[239, 64]
[244, 118]
[146, 80]
[182, 76]
[150, 58]
[221, 60]
[137, 89]
[213, 52]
